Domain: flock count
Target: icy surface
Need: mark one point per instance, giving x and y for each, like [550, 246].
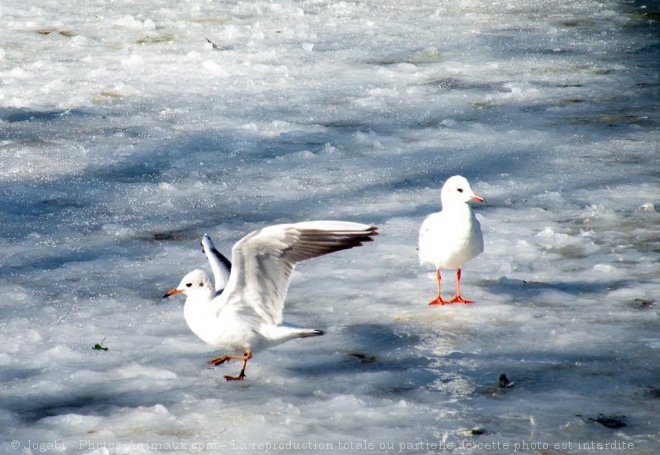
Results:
[125, 135]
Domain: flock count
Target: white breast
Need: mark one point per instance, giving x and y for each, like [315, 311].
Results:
[223, 331]
[450, 239]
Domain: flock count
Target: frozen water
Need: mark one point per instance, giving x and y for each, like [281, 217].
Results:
[130, 128]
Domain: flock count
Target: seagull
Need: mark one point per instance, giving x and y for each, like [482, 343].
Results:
[451, 237]
[246, 316]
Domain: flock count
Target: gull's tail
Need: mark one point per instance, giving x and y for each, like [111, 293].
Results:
[277, 334]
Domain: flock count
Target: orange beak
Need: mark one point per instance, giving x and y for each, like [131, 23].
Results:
[172, 292]
[476, 197]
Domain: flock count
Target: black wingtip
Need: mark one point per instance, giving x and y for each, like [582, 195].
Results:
[370, 232]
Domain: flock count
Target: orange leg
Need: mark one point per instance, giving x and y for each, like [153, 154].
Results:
[438, 300]
[225, 358]
[457, 298]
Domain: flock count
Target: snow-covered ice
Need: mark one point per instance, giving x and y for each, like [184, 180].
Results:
[130, 128]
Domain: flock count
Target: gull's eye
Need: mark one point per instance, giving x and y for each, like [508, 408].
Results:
[188, 285]
[460, 190]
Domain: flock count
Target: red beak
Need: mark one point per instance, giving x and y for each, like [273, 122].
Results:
[476, 197]
[172, 292]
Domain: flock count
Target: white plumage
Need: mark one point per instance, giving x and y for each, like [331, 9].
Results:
[451, 237]
[247, 315]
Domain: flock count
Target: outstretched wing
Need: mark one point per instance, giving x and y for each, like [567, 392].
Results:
[262, 262]
[220, 265]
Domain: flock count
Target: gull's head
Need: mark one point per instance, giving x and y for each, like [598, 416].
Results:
[457, 190]
[195, 283]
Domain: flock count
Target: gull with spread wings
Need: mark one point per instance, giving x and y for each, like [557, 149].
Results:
[246, 315]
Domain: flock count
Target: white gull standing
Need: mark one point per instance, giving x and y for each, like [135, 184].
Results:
[451, 237]
[247, 315]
